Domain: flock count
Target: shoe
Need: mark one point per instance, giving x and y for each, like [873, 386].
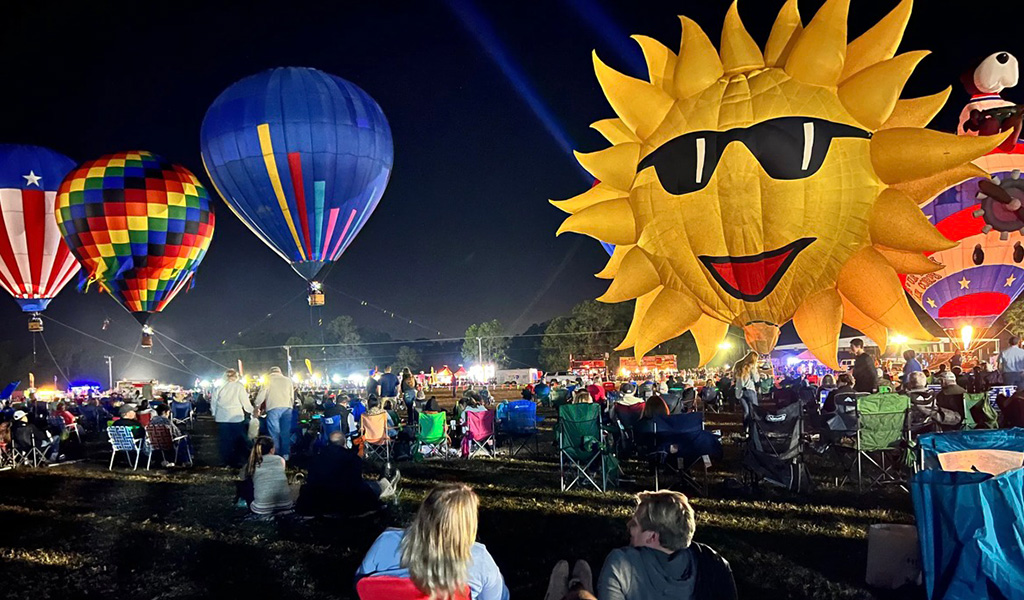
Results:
[396, 478]
[558, 585]
[582, 574]
[386, 489]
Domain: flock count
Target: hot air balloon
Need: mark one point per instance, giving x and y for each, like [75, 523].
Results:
[34, 261]
[983, 274]
[302, 158]
[139, 225]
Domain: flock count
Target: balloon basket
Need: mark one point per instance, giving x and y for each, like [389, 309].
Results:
[35, 324]
[147, 340]
[316, 299]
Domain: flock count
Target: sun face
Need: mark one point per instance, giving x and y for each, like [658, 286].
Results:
[751, 188]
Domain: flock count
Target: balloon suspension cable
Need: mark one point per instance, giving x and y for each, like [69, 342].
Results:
[53, 358]
[393, 314]
[197, 353]
[102, 341]
[180, 362]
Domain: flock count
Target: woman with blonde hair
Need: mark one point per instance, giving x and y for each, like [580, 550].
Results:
[581, 396]
[747, 378]
[438, 551]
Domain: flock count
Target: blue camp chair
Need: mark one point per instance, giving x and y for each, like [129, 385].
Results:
[182, 414]
[519, 426]
[121, 440]
[676, 444]
[328, 425]
[970, 523]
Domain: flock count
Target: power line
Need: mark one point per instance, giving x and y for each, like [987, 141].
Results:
[55, 363]
[102, 341]
[193, 351]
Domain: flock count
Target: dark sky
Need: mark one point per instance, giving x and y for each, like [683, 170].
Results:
[464, 232]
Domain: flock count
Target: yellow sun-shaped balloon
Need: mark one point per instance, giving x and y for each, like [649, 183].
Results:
[752, 188]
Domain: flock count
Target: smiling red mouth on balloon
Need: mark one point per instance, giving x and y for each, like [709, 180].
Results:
[752, 278]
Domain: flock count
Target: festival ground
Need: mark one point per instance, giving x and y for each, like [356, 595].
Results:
[79, 531]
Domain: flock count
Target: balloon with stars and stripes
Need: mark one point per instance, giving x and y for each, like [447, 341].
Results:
[35, 263]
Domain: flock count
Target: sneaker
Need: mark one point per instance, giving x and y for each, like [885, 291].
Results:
[386, 489]
[396, 478]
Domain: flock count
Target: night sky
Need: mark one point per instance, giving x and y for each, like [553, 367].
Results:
[484, 100]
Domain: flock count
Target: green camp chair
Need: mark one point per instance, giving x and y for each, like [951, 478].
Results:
[884, 389]
[432, 437]
[883, 430]
[978, 413]
[582, 448]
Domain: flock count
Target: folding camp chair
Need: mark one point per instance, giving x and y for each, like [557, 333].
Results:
[328, 425]
[144, 418]
[520, 426]
[676, 444]
[978, 413]
[433, 434]
[582, 447]
[182, 414]
[376, 441]
[121, 440]
[883, 429]
[479, 436]
[159, 439]
[775, 448]
[559, 397]
[386, 587]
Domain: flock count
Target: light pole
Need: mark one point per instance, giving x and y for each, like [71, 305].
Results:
[480, 351]
[110, 373]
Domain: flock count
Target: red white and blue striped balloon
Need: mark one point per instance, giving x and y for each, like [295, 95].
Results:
[35, 263]
[300, 156]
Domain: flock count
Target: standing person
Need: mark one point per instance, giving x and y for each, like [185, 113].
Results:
[408, 390]
[1011, 363]
[747, 378]
[438, 551]
[372, 385]
[957, 360]
[389, 385]
[910, 365]
[230, 406]
[865, 375]
[278, 395]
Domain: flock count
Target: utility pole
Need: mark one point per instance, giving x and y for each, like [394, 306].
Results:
[480, 351]
[288, 351]
[110, 373]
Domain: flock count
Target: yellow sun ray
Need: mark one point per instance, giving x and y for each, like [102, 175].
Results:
[897, 222]
[784, 34]
[911, 263]
[641, 105]
[853, 317]
[708, 332]
[917, 112]
[933, 152]
[643, 303]
[661, 62]
[640, 278]
[817, 322]
[598, 193]
[612, 266]
[615, 165]
[921, 190]
[615, 131]
[670, 314]
[820, 51]
[610, 222]
[871, 94]
[870, 283]
[878, 43]
[739, 50]
[698, 65]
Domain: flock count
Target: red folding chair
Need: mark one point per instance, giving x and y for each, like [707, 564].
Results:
[386, 587]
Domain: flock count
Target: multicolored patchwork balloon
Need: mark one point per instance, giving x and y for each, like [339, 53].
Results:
[302, 158]
[34, 261]
[138, 224]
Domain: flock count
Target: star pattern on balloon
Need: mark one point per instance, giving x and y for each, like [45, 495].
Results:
[930, 302]
[965, 284]
[32, 178]
[1010, 280]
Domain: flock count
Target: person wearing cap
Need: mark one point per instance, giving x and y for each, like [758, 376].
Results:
[26, 435]
[950, 400]
[128, 418]
[278, 395]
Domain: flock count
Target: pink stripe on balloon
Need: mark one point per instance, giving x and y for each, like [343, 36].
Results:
[330, 232]
[343, 232]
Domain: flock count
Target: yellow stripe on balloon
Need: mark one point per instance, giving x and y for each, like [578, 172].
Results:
[275, 180]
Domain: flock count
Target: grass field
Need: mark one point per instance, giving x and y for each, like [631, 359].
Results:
[79, 531]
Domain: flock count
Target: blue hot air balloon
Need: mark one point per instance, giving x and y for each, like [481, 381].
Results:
[302, 157]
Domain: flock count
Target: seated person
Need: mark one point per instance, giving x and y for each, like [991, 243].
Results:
[581, 396]
[432, 406]
[335, 484]
[655, 406]
[710, 396]
[128, 419]
[950, 400]
[471, 406]
[661, 560]
[527, 393]
[845, 388]
[596, 393]
[376, 409]
[161, 418]
[65, 415]
[270, 492]
[438, 551]
[26, 435]
[626, 398]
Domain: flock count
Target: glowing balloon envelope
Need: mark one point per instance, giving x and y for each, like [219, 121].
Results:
[139, 225]
[35, 263]
[302, 158]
